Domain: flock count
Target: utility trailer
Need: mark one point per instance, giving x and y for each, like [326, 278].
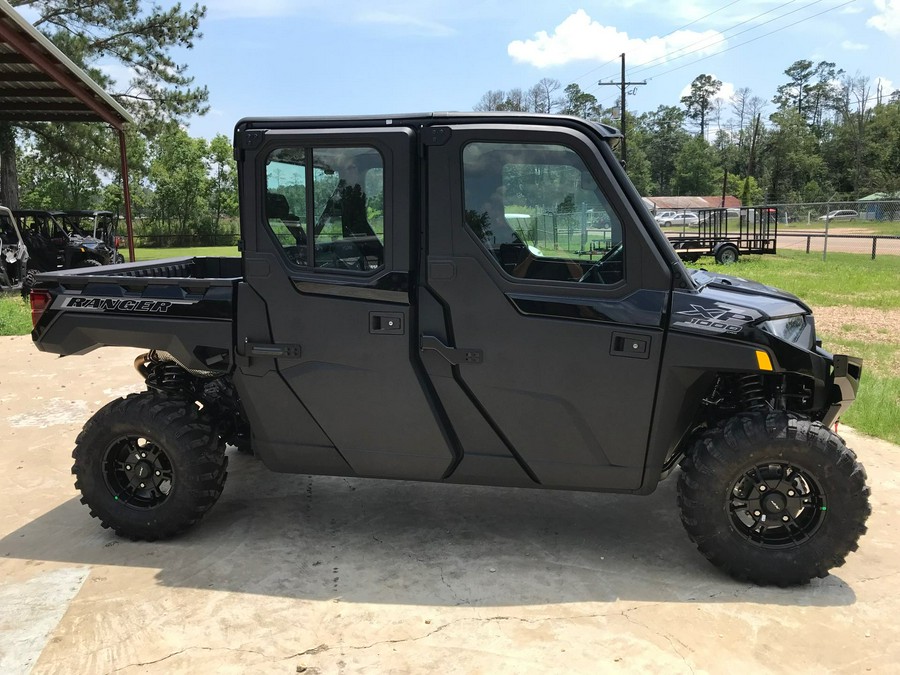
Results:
[727, 233]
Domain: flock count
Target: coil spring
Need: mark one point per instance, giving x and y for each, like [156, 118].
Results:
[752, 392]
[167, 376]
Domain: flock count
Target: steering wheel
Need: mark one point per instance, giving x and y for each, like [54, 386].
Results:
[594, 274]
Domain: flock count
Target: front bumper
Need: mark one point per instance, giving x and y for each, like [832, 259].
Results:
[845, 376]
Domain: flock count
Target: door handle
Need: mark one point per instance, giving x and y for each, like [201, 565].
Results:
[453, 355]
[272, 351]
[386, 323]
[630, 345]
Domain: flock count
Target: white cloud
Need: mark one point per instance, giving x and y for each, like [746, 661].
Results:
[853, 46]
[580, 38]
[888, 17]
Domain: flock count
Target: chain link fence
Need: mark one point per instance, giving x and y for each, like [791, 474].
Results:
[863, 226]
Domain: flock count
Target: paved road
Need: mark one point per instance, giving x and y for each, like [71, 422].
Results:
[341, 576]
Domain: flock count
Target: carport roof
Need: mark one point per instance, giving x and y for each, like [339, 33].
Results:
[38, 83]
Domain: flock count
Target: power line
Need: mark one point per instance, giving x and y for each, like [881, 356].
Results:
[703, 44]
[671, 32]
[746, 42]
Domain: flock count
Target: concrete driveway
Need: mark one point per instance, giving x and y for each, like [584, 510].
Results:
[326, 575]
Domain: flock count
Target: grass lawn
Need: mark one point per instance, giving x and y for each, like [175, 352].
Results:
[142, 254]
[15, 315]
[843, 279]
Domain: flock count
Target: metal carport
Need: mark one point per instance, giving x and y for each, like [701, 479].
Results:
[38, 83]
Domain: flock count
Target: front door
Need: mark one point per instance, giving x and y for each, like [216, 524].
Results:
[325, 318]
[552, 319]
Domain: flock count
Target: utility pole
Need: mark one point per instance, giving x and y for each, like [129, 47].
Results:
[622, 84]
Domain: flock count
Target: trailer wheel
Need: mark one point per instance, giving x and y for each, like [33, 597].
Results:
[773, 498]
[149, 466]
[726, 254]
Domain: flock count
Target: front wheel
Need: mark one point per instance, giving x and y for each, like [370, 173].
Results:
[149, 466]
[773, 498]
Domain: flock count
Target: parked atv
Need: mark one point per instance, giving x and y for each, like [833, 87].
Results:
[98, 224]
[13, 256]
[51, 246]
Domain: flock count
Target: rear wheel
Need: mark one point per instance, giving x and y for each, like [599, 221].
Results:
[90, 262]
[773, 498]
[28, 283]
[149, 466]
[727, 254]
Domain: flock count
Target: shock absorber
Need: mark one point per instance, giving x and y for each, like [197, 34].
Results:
[752, 392]
[163, 374]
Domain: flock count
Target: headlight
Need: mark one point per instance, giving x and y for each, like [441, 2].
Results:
[794, 329]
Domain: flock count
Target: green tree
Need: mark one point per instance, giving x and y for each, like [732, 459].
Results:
[699, 101]
[810, 90]
[661, 136]
[697, 169]
[140, 35]
[791, 158]
[56, 170]
[178, 175]
[223, 199]
[580, 103]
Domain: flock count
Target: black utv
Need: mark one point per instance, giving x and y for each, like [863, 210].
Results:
[53, 246]
[97, 224]
[14, 272]
[410, 305]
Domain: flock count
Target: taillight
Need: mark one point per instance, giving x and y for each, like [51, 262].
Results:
[118, 241]
[40, 301]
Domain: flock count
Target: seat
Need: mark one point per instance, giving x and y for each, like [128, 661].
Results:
[278, 208]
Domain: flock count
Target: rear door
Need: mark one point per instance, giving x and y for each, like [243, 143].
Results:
[328, 377]
[552, 300]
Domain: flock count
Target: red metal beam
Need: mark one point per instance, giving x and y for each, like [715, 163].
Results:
[127, 190]
[57, 73]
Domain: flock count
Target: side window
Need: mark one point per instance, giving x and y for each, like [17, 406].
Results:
[7, 233]
[539, 212]
[325, 207]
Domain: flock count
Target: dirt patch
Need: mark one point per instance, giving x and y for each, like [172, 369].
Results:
[866, 324]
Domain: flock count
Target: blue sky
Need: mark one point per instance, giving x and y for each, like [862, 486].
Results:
[349, 57]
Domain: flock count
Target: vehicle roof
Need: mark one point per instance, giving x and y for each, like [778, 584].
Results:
[34, 212]
[426, 119]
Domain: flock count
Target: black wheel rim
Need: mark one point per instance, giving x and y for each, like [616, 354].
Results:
[138, 472]
[776, 505]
